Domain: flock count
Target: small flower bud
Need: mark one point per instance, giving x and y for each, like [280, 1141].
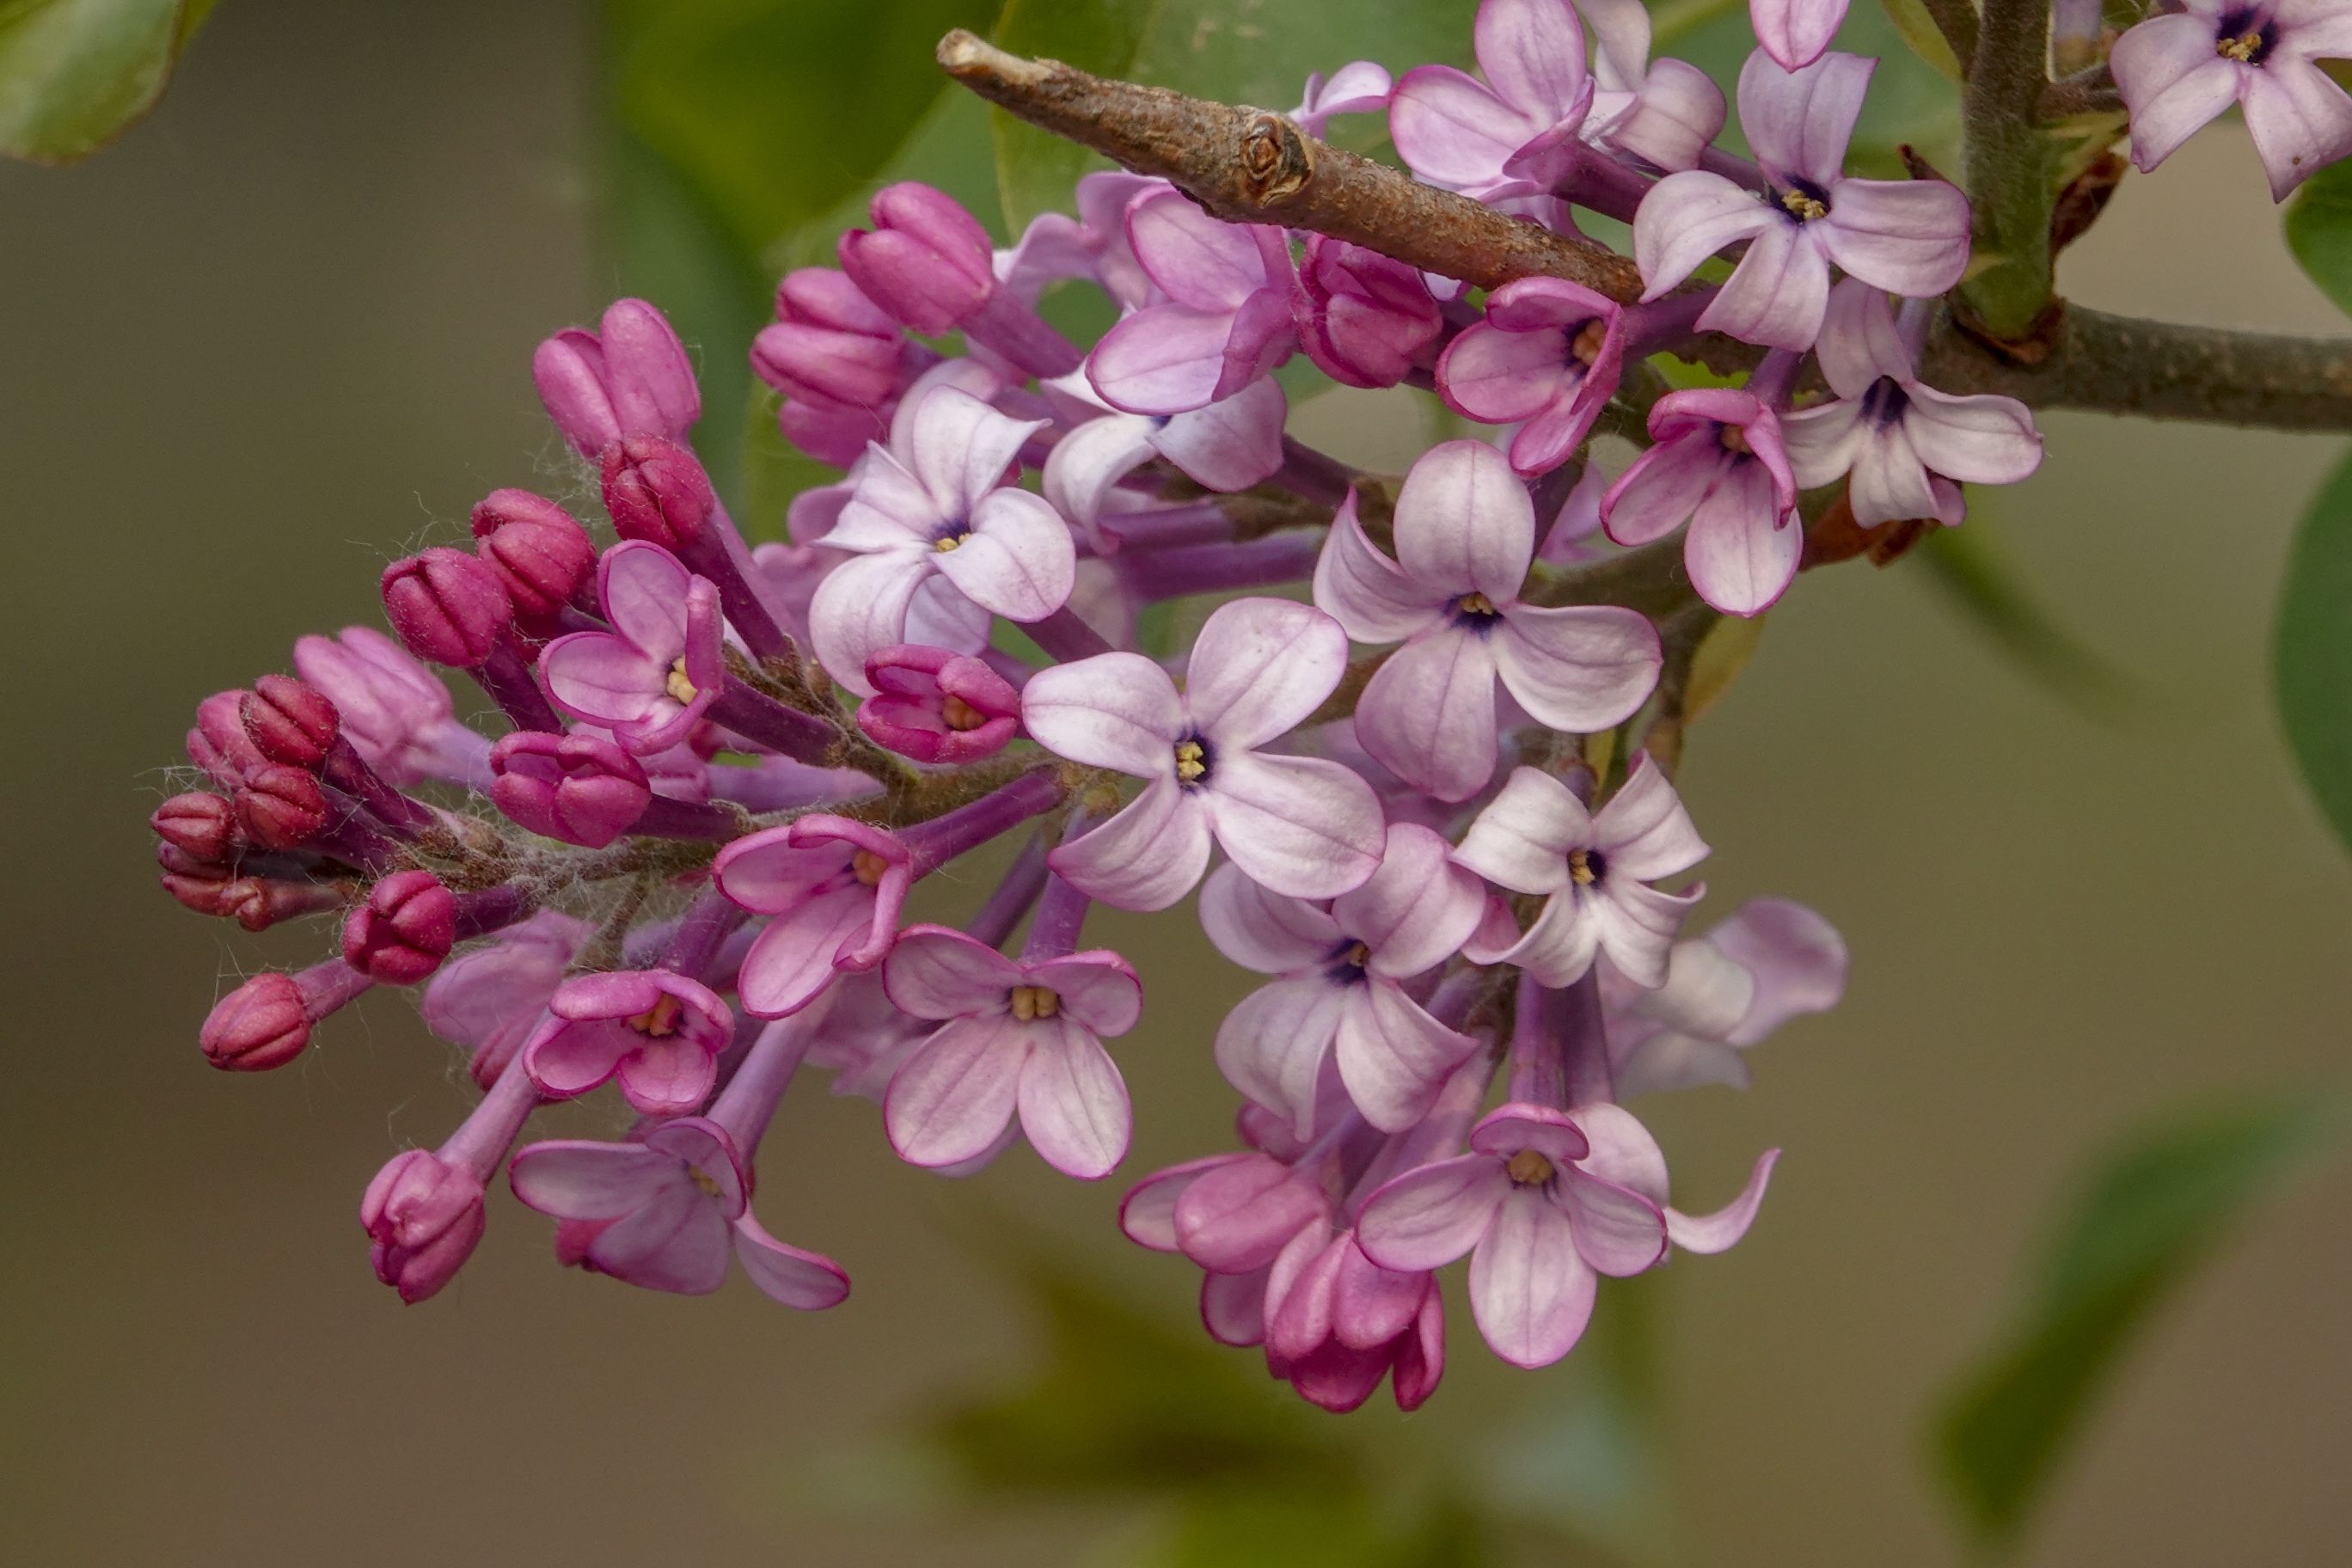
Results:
[938, 706]
[403, 931]
[218, 744]
[656, 490]
[290, 722]
[282, 807]
[260, 1024]
[425, 1215]
[1364, 319]
[821, 297]
[257, 903]
[578, 788]
[926, 260]
[447, 607]
[541, 553]
[203, 890]
[635, 379]
[198, 825]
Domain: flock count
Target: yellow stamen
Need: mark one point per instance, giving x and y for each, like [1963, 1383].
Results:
[1191, 760]
[1474, 605]
[1579, 867]
[1529, 1169]
[660, 1020]
[1034, 1002]
[962, 715]
[1586, 344]
[1806, 207]
[2241, 48]
[680, 689]
[709, 1187]
[1360, 955]
[867, 868]
[948, 543]
[1735, 439]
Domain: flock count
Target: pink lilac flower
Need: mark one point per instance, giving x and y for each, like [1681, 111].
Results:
[1546, 1202]
[1225, 445]
[1665, 113]
[1466, 534]
[1455, 131]
[489, 998]
[839, 359]
[1548, 353]
[1795, 32]
[1226, 321]
[1336, 1322]
[938, 706]
[424, 1213]
[1903, 442]
[403, 929]
[1364, 319]
[655, 673]
[658, 1033]
[2185, 65]
[1595, 867]
[927, 261]
[1769, 961]
[1338, 995]
[944, 511]
[664, 1210]
[1015, 1037]
[577, 787]
[632, 380]
[1092, 245]
[1232, 1214]
[833, 888]
[1359, 87]
[1717, 462]
[1260, 668]
[1908, 237]
[395, 712]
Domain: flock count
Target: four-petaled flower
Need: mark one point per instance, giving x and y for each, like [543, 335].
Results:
[1717, 461]
[1225, 320]
[2181, 67]
[652, 676]
[658, 1034]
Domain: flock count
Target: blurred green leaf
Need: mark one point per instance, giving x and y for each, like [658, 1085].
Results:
[1927, 40]
[2153, 1209]
[2313, 656]
[1034, 168]
[1306, 1531]
[2319, 231]
[1975, 572]
[75, 74]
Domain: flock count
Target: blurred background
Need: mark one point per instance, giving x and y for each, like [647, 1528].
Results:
[281, 333]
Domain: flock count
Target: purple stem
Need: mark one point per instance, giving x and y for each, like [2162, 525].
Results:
[747, 1103]
[1007, 324]
[1195, 523]
[705, 925]
[666, 818]
[1599, 181]
[348, 771]
[1313, 475]
[1279, 558]
[1064, 637]
[491, 909]
[325, 987]
[1537, 1075]
[759, 718]
[933, 844]
[482, 1140]
[1564, 1053]
[1731, 166]
[720, 556]
[1023, 881]
[780, 784]
[1650, 327]
[508, 680]
[1061, 915]
[1769, 383]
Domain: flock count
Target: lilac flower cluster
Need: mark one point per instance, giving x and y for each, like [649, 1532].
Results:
[1417, 759]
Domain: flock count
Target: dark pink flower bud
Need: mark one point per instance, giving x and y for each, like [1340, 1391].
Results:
[446, 606]
[541, 553]
[635, 379]
[257, 903]
[821, 297]
[845, 370]
[403, 931]
[425, 1215]
[282, 807]
[204, 889]
[655, 491]
[938, 706]
[260, 1024]
[580, 788]
[201, 825]
[290, 722]
[1364, 319]
[926, 260]
[218, 744]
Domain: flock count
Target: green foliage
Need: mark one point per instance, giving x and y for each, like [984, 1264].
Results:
[1927, 40]
[2313, 657]
[2319, 231]
[1972, 570]
[2153, 1209]
[75, 74]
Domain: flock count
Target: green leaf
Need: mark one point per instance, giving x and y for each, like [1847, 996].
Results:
[75, 74]
[1034, 168]
[2153, 1209]
[1927, 40]
[2313, 657]
[2319, 231]
[1973, 569]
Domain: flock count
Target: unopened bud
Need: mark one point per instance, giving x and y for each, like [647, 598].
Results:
[403, 931]
[539, 551]
[656, 490]
[282, 807]
[578, 788]
[259, 1025]
[289, 721]
[926, 260]
[425, 1215]
[257, 903]
[446, 606]
[633, 379]
[218, 744]
[201, 825]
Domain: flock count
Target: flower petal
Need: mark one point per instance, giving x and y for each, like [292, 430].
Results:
[860, 609]
[1429, 1216]
[1578, 667]
[1980, 440]
[1521, 840]
[1616, 1229]
[1231, 444]
[793, 959]
[2173, 81]
[1533, 53]
[1113, 710]
[1098, 988]
[1074, 1105]
[1908, 237]
[1018, 560]
[1428, 714]
[1265, 931]
[1393, 1057]
[1800, 120]
[1463, 521]
[1259, 668]
[1687, 218]
[954, 1095]
[1418, 908]
[1301, 826]
[580, 1178]
[1369, 595]
[1720, 1231]
[1777, 294]
[1531, 1291]
[1146, 857]
[1272, 1045]
[938, 973]
[1162, 359]
[1742, 550]
[806, 1281]
[1450, 130]
[962, 448]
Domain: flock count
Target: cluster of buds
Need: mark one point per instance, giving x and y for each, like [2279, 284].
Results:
[1417, 760]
